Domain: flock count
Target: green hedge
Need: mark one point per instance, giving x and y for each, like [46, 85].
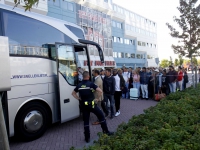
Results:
[173, 124]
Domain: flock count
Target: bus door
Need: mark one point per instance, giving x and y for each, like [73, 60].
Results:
[82, 60]
[67, 80]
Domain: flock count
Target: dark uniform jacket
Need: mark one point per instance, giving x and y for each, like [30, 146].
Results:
[86, 90]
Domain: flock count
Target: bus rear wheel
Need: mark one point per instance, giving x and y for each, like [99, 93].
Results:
[32, 121]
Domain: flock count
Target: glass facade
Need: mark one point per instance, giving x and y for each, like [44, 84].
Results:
[97, 28]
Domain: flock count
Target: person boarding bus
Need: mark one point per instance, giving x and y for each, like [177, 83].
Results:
[87, 99]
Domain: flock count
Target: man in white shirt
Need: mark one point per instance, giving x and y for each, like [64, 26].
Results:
[118, 92]
[126, 76]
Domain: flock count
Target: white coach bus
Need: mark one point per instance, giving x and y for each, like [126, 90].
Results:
[44, 53]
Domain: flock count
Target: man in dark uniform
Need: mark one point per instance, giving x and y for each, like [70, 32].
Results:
[86, 89]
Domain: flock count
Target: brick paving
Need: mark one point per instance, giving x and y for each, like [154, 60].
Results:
[64, 136]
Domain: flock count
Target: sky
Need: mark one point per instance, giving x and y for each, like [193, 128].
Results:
[161, 12]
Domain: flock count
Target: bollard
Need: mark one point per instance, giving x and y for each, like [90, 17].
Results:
[3, 134]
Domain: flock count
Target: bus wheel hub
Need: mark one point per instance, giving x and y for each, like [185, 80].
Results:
[33, 121]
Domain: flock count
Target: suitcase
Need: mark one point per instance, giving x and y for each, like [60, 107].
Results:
[134, 93]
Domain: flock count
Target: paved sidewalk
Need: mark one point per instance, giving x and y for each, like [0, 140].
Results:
[63, 136]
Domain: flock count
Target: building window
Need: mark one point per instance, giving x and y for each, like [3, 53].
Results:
[122, 54]
[115, 8]
[147, 44]
[138, 30]
[147, 33]
[138, 56]
[121, 40]
[118, 39]
[143, 44]
[127, 55]
[119, 55]
[113, 24]
[133, 28]
[154, 45]
[106, 1]
[114, 39]
[139, 43]
[126, 13]
[128, 27]
[115, 54]
[70, 7]
[133, 55]
[151, 45]
[119, 25]
[127, 41]
[118, 9]
[122, 11]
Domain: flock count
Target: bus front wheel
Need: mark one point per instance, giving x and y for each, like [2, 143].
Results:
[31, 121]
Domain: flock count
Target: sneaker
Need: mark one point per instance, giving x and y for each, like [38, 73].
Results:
[111, 117]
[147, 98]
[117, 114]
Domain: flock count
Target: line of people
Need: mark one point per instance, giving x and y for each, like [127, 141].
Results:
[150, 81]
[108, 86]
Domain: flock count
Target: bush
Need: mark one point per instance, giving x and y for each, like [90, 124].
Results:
[173, 124]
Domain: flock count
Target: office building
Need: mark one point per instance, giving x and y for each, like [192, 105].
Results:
[128, 39]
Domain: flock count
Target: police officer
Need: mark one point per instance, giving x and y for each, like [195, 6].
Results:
[86, 89]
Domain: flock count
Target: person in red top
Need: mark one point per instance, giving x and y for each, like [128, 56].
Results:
[180, 79]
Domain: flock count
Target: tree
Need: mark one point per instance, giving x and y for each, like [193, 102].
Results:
[171, 61]
[28, 3]
[198, 62]
[164, 63]
[176, 62]
[194, 61]
[180, 60]
[189, 33]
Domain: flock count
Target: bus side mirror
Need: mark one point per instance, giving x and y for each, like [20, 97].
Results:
[100, 54]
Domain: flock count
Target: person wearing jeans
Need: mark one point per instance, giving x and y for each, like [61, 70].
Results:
[144, 80]
[119, 83]
[172, 76]
[180, 79]
[109, 90]
[136, 81]
[126, 76]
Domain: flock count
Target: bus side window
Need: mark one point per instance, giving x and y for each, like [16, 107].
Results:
[53, 53]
